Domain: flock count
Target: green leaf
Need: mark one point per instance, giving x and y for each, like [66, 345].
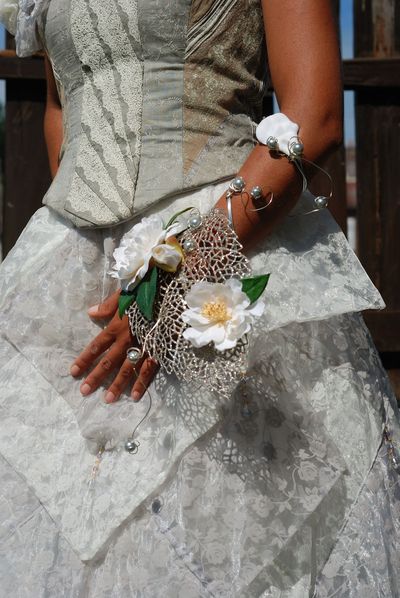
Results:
[255, 286]
[146, 293]
[126, 298]
[175, 216]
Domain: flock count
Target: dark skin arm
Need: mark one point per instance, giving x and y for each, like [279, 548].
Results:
[53, 124]
[305, 67]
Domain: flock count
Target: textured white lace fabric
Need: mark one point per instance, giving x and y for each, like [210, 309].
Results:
[219, 501]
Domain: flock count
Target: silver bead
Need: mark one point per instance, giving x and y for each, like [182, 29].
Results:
[272, 143]
[238, 184]
[133, 355]
[321, 202]
[195, 221]
[131, 446]
[256, 192]
[297, 148]
[188, 245]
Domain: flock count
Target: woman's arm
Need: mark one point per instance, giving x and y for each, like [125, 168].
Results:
[305, 65]
[53, 122]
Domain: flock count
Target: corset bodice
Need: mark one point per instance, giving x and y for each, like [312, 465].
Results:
[158, 97]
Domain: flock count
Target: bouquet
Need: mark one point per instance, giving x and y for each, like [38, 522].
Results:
[187, 289]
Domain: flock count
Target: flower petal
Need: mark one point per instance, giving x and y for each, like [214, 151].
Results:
[201, 338]
[194, 318]
[257, 309]
[166, 257]
[225, 344]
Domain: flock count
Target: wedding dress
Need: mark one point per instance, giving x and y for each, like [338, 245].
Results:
[291, 493]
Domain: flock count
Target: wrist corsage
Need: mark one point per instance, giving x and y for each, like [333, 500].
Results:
[187, 289]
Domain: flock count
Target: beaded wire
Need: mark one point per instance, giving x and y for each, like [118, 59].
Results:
[295, 156]
[131, 445]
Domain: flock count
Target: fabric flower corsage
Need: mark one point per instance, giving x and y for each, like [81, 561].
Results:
[189, 295]
[146, 248]
[146, 242]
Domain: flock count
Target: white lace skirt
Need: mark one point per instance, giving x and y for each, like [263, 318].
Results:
[295, 495]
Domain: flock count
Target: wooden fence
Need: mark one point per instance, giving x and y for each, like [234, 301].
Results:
[374, 76]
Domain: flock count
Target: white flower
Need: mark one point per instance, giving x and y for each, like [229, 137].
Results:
[278, 126]
[168, 256]
[132, 257]
[218, 313]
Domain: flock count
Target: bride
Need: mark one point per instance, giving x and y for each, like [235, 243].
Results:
[288, 487]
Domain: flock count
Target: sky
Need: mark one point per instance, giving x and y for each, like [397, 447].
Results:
[346, 24]
[346, 27]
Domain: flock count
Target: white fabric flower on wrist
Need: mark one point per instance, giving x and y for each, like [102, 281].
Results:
[280, 128]
[145, 244]
[219, 313]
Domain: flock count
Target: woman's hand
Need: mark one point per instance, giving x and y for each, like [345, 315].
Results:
[112, 344]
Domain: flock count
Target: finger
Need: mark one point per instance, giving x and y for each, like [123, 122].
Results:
[112, 360]
[146, 375]
[126, 373]
[106, 309]
[98, 345]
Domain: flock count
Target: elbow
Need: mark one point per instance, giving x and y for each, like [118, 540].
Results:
[330, 127]
[332, 133]
[321, 129]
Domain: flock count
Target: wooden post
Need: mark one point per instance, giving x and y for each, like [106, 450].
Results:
[26, 168]
[377, 37]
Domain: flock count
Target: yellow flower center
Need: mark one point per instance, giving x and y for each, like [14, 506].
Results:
[216, 311]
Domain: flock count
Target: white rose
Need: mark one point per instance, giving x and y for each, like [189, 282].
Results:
[133, 256]
[218, 313]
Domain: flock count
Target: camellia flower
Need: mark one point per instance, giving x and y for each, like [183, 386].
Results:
[219, 313]
[133, 256]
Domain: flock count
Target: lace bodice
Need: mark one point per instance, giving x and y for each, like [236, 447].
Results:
[158, 97]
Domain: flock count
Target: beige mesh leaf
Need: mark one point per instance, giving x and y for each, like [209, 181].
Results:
[216, 257]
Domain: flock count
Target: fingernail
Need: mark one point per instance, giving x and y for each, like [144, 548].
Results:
[93, 310]
[109, 397]
[85, 389]
[74, 371]
[136, 395]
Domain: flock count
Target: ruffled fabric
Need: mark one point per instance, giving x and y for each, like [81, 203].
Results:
[314, 276]
[22, 18]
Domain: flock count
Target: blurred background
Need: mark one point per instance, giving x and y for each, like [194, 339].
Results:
[366, 170]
